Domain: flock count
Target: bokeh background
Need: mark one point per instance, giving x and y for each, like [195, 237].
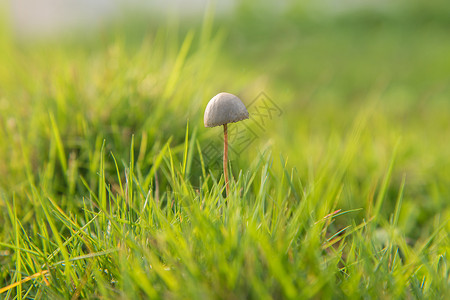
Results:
[365, 75]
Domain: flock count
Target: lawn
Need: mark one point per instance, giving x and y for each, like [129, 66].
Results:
[111, 186]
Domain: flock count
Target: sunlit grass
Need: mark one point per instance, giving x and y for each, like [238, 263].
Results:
[108, 190]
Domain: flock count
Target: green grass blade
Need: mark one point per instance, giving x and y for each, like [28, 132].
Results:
[59, 143]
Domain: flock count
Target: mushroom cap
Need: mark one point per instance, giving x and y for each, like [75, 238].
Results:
[224, 108]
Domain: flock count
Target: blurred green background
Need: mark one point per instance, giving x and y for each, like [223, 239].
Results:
[352, 80]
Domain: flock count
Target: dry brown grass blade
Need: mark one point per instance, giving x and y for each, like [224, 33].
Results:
[42, 273]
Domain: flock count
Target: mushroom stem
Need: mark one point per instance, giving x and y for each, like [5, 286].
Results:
[225, 158]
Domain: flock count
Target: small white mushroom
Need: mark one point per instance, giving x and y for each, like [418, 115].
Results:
[222, 109]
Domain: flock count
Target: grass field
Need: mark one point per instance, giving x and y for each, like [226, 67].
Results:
[111, 187]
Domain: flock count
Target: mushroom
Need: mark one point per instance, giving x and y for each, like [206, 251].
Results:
[222, 109]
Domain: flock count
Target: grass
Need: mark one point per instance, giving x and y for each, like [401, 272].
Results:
[112, 189]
